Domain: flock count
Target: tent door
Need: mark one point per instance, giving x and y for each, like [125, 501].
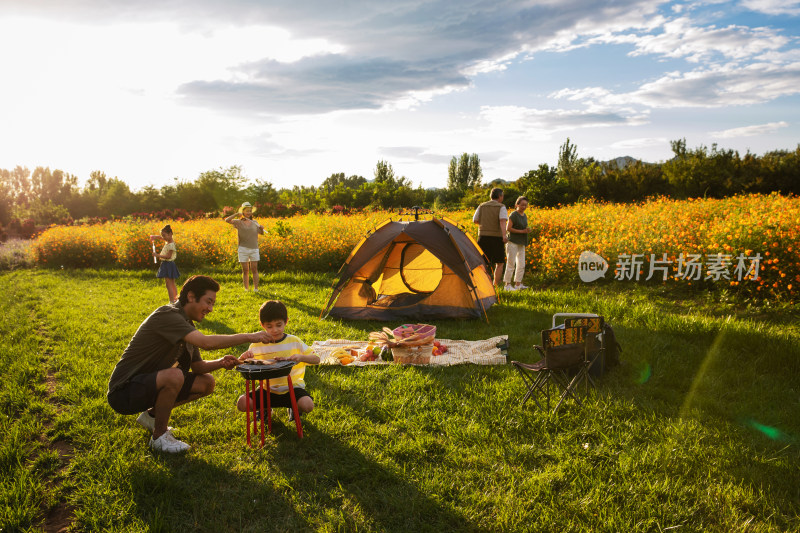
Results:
[420, 270]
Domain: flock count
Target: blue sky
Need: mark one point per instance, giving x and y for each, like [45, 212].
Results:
[155, 90]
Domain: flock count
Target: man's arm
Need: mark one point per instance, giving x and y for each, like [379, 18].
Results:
[216, 342]
[204, 367]
[504, 218]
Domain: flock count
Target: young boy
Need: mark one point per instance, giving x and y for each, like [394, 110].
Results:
[274, 317]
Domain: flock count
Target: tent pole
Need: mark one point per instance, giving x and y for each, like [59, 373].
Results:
[330, 302]
[475, 292]
[464, 259]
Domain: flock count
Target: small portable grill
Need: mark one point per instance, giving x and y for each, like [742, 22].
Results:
[270, 371]
[263, 373]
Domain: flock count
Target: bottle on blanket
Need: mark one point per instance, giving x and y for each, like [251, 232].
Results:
[386, 353]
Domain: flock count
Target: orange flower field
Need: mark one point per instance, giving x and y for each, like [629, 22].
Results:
[748, 243]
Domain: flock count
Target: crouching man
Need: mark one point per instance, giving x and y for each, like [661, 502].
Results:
[161, 368]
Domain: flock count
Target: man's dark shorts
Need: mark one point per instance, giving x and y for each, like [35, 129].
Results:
[279, 400]
[494, 248]
[140, 392]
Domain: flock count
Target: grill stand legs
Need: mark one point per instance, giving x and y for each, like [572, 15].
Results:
[259, 420]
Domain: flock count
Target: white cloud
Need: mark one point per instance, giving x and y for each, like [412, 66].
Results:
[715, 86]
[400, 55]
[538, 122]
[406, 53]
[590, 94]
[773, 7]
[415, 153]
[642, 142]
[321, 84]
[718, 86]
[97, 60]
[679, 38]
[749, 131]
[292, 87]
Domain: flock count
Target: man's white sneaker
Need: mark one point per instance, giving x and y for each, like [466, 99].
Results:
[521, 287]
[167, 443]
[509, 287]
[148, 422]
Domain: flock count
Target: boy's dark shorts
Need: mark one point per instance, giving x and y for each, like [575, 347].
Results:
[494, 248]
[279, 400]
[139, 393]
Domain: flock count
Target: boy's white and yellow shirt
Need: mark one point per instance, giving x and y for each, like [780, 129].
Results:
[288, 346]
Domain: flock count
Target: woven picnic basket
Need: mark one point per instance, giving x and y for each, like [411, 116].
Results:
[410, 343]
[412, 355]
[415, 334]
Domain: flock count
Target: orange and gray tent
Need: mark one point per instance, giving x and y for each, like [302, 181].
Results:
[421, 269]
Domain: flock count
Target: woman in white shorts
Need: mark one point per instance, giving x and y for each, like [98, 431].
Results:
[249, 231]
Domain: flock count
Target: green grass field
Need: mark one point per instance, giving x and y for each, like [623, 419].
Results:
[697, 430]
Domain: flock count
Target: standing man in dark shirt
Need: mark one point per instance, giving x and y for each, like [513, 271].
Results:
[161, 368]
[492, 218]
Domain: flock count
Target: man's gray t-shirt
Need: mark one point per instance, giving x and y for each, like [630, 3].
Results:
[157, 344]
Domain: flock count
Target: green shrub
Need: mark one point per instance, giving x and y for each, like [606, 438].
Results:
[16, 253]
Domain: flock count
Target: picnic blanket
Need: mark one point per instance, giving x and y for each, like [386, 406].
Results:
[484, 352]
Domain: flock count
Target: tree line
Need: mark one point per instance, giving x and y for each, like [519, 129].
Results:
[691, 173]
[44, 196]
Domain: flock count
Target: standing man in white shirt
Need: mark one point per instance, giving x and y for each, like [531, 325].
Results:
[492, 219]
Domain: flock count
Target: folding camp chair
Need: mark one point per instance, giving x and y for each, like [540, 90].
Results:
[562, 349]
[595, 348]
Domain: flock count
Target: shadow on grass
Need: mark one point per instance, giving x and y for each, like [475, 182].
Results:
[718, 369]
[241, 502]
[217, 328]
[295, 304]
[320, 280]
[107, 274]
[741, 383]
[738, 380]
[360, 485]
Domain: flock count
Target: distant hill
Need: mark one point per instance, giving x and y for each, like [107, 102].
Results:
[622, 162]
[500, 182]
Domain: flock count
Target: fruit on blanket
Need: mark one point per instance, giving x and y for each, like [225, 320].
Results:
[368, 355]
[341, 355]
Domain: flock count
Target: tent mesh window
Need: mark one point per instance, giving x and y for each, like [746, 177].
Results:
[420, 270]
